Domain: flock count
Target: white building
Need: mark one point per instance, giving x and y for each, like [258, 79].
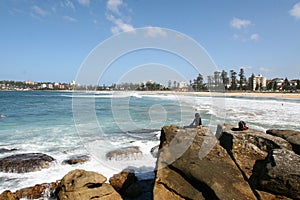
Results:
[259, 82]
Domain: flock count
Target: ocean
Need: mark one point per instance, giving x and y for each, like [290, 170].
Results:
[64, 124]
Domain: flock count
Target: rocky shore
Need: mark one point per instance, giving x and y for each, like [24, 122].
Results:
[192, 163]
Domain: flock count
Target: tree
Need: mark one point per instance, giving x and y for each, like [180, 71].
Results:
[199, 82]
[224, 78]
[174, 84]
[286, 84]
[251, 85]
[298, 84]
[233, 80]
[242, 78]
[216, 78]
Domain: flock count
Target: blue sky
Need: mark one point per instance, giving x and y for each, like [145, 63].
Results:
[49, 40]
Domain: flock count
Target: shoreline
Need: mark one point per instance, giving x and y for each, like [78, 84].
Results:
[280, 95]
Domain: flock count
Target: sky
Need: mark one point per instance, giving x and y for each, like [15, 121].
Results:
[50, 40]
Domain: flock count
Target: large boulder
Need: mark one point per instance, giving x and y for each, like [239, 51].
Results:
[291, 136]
[192, 165]
[28, 162]
[281, 174]
[248, 147]
[81, 184]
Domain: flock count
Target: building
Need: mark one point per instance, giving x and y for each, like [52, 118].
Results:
[258, 82]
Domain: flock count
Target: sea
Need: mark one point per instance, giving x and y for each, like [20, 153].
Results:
[67, 124]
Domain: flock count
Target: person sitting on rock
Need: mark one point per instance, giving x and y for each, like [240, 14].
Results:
[242, 126]
[197, 122]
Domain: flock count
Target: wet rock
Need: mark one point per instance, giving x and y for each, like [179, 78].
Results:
[124, 153]
[76, 159]
[81, 184]
[8, 195]
[196, 166]
[21, 163]
[293, 137]
[39, 191]
[281, 174]
[5, 150]
[154, 151]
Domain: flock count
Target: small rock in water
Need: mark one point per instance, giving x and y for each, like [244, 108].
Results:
[124, 153]
[154, 151]
[5, 150]
[76, 159]
[21, 163]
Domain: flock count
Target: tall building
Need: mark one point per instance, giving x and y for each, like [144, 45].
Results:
[258, 82]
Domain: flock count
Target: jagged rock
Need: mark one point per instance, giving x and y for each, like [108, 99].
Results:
[123, 180]
[249, 147]
[281, 174]
[8, 195]
[38, 191]
[293, 137]
[124, 153]
[21, 163]
[5, 150]
[81, 184]
[196, 156]
[76, 159]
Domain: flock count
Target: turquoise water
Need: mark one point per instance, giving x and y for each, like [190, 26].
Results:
[63, 124]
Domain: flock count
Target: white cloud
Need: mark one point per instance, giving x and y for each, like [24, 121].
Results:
[68, 4]
[71, 19]
[264, 69]
[155, 32]
[240, 23]
[295, 11]
[255, 37]
[39, 11]
[113, 6]
[120, 25]
[84, 2]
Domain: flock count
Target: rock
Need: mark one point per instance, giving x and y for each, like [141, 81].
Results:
[193, 157]
[154, 151]
[124, 153]
[21, 163]
[293, 137]
[281, 174]
[5, 150]
[123, 180]
[8, 195]
[249, 146]
[76, 159]
[81, 184]
[38, 191]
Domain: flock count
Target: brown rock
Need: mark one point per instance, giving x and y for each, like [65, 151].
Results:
[249, 146]
[196, 156]
[123, 180]
[76, 159]
[293, 137]
[38, 191]
[124, 153]
[8, 195]
[81, 184]
[28, 162]
[281, 174]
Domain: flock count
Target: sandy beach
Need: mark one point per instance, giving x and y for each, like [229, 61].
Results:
[229, 94]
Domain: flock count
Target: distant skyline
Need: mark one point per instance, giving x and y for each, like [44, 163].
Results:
[49, 40]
